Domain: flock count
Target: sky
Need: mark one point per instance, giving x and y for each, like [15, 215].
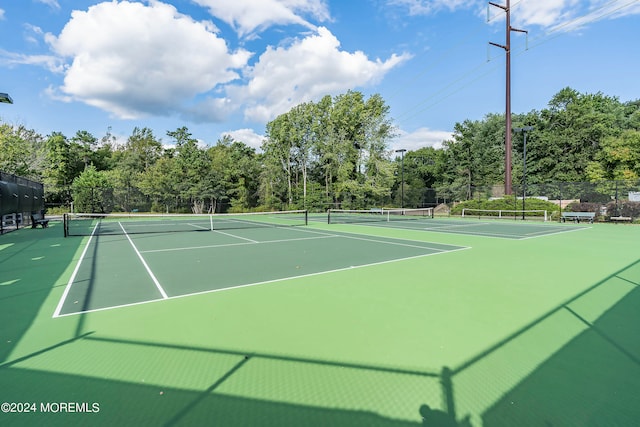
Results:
[228, 67]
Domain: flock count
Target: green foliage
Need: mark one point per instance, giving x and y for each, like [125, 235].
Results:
[339, 143]
[20, 151]
[623, 208]
[335, 152]
[90, 191]
[506, 203]
[618, 158]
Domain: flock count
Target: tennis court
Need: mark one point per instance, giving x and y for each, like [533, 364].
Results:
[423, 219]
[137, 259]
[383, 323]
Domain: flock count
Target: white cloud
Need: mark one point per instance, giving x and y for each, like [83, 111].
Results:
[132, 60]
[248, 136]
[50, 62]
[1, 14]
[565, 15]
[419, 138]
[570, 15]
[428, 7]
[32, 33]
[247, 16]
[306, 70]
[545, 13]
[51, 3]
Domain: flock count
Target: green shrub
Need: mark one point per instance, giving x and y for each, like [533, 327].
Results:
[506, 203]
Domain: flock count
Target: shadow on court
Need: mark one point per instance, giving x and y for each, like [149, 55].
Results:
[232, 397]
[31, 263]
[592, 380]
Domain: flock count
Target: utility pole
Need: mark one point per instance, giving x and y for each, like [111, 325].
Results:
[507, 135]
[402, 151]
[524, 130]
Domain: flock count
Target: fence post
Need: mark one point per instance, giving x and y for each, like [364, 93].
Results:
[447, 391]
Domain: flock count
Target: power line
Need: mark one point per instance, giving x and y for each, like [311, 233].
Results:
[549, 35]
[439, 60]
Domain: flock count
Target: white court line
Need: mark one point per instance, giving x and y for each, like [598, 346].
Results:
[226, 234]
[237, 237]
[394, 243]
[556, 232]
[282, 279]
[347, 235]
[453, 229]
[322, 235]
[153, 277]
[253, 242]
[73, 275]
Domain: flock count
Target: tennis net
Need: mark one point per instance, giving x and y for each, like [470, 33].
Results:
[87, 224]
[539, 214]
[348, 216]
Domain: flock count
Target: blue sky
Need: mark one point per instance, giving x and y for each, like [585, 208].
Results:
[229, 66]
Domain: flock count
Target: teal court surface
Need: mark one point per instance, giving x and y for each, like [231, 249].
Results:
[123, 269]
[434, 321]
[499, 228]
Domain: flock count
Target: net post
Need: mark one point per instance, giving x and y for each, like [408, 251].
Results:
[306, 217]
[65, 224]
[329, 216]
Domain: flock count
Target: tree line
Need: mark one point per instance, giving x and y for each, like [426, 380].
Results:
[334, 152]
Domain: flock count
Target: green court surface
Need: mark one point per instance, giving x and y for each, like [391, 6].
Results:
[163, 266]
[489, 323]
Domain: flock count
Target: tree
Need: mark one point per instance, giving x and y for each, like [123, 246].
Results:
[341, 143]
[63, 164]
[89, 191]
[378, 171]
[191, 168]
[160, 182]
[20, 151]
[618, 159]
[576, 124]
[85, 143]
[233, 175]
[475, 154]
[138, 154]
[421, 172]
[277, 150]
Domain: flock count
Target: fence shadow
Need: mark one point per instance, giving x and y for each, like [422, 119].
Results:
[592, 379]
[31, 263]
[361, 395]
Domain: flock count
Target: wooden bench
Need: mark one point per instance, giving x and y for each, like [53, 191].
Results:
[39, 220]
[577, 216]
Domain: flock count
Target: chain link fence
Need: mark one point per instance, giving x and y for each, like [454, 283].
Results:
[607, 199]
[19, 199]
